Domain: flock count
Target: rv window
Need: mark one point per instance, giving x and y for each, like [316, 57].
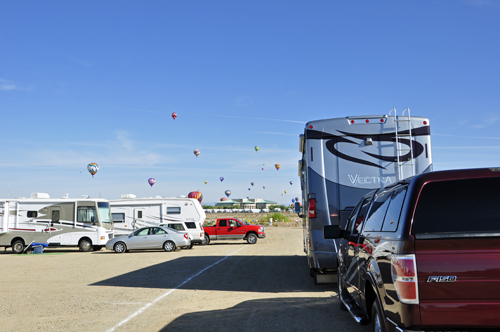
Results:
[32, 214]
[191, 225]
[391, 220]
[55, 215]
[377, 213]
[174, 210]
[118, 217]
[177, 227]
[139, 214]
[86, 214]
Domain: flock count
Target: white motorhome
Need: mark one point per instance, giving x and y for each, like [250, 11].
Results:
[342, 160]
[83, 222]
[130, 213]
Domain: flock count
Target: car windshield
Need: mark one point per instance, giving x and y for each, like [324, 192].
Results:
[242, 222]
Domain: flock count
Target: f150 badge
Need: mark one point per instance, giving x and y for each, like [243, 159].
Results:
[442, 279]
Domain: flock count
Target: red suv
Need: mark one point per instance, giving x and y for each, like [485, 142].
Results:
[424, 254]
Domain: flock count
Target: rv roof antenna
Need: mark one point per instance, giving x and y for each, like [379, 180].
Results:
[65, 195]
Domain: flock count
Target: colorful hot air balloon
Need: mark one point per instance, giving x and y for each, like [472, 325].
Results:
[252, 183]
[256, 148]
[221, 179]
[197, 195]
[291, 182]
[196, 152]
[262, 168]
[174, 115]
[296, 199]
[285, 191]
[278, 166]
[92, 168]
[206, 182]
[263, 187]
[227, 192]
[151, 181]
[223, 199]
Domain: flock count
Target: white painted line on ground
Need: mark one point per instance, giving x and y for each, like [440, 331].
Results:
[141, 310]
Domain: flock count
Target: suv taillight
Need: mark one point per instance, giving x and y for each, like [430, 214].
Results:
[185, 236]
[404, 277]
[312, 207]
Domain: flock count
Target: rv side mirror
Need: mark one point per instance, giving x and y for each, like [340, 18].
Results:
[332, 232]
[297, 207]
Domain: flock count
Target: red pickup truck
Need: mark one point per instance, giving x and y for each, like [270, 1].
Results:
[233, 229]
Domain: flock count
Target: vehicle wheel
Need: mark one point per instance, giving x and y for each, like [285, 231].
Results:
[341, 290]
[252, 238]
[18, 246]
[120, 247]
[169, 246]
[85, 245]
[376, 318]
[206, 240]
[190, 246]
[96, 248]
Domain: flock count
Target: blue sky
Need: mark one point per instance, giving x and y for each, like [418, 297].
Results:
[97, 81]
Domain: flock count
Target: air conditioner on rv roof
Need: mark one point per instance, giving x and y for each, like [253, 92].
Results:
[128, 196]
[40, 195]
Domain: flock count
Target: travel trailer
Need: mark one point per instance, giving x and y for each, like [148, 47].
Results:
[130, 213]
[83, 222]
[345, 158]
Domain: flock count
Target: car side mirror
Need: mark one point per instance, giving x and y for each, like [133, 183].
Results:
[131, 235]
[333, 232]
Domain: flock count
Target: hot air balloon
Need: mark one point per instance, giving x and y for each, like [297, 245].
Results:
[278, 166]
[285, 191]
[296, 199]
[262, 168]
[221, 179]
[206, 182]
[263, 187]
[223, 199]
[227, 192]
[174, 115]
[293, 200]
[252, 183]
[92, 168]
[291, 182]
[196, 152]
[248, 188]
[151, 181]
[197, 195]
[256, 148]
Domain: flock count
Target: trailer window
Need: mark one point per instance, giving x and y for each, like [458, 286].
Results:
[32, 214]
[174, 210]
[118, 217]
[458, 206]
[86, 214]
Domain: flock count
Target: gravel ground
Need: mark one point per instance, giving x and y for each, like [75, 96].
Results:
[224, 286]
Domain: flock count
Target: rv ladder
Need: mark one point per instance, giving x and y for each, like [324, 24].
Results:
[403, 130]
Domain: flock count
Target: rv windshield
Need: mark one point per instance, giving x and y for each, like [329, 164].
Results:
[105, 214]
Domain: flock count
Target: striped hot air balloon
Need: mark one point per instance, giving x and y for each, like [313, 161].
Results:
[197, 195]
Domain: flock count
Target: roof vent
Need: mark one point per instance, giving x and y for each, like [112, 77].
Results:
[39, 195]
[128, 196]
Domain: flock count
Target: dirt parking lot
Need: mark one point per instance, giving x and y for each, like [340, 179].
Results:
[225, 286]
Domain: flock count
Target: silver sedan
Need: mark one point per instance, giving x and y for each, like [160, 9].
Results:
[149, 238]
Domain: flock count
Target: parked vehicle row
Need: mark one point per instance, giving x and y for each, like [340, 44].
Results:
[424, 254]
[120, 225]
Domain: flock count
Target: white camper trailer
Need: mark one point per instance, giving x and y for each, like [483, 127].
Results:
[130, 213]
[345, 158]
[84, 222]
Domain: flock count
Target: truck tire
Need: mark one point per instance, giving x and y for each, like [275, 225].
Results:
[18, 246]
[206, 240]
[376, 324]
[251, 238]
[85, 245]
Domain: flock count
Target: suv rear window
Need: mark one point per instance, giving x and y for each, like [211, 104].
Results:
[190, 225]
[458, 206]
